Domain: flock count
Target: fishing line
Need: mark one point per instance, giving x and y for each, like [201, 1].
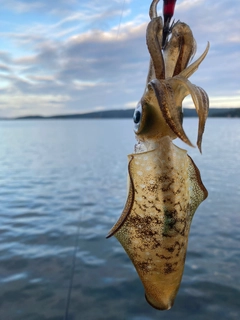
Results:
[120, 20]
[118, 32]
[78, 228]
[72, 270]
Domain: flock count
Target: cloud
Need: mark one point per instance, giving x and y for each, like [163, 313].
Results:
[80, 60]
[5, 56]
[4, 68]
[23, 6]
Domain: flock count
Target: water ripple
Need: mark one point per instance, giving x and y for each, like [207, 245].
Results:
[60, 185]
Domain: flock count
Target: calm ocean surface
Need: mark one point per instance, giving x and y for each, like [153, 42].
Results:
[58, 178]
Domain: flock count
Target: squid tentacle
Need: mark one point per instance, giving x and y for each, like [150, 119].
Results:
[187, 46]
[154, 38]
[173, 115]
[179, 50]
[171, 53]
[153, 9]
[194, 66]
[200, 100]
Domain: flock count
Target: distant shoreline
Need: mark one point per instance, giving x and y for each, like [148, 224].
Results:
[128, 113]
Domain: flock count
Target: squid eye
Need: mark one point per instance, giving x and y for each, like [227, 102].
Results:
[137, 116]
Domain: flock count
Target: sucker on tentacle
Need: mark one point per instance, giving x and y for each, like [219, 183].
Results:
[165, 186]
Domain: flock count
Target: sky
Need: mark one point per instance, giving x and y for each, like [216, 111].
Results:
[73, 56]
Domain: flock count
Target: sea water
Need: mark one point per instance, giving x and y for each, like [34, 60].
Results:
[63, 186]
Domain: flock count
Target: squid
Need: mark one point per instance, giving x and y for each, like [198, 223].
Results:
[164, 184]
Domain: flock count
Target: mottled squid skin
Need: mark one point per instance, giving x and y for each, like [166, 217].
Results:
[163, 197]
[165, 186]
